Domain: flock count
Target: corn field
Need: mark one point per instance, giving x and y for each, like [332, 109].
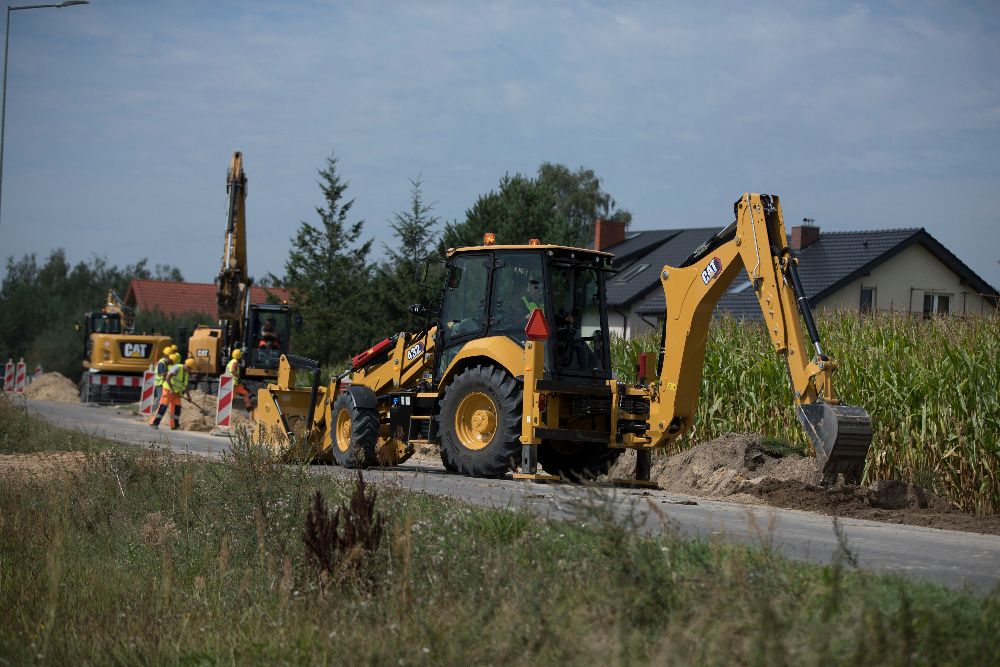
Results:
[930, 386]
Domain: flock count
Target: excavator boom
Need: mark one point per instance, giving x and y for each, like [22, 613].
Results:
[233, 279]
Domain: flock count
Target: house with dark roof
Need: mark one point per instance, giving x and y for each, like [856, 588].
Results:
[903, 270]
[172, 298]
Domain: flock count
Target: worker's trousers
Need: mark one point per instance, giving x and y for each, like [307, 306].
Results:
[169, 401]
[242, 392]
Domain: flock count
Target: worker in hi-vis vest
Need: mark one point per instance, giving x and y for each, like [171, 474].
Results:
[233, 368]
[162, 366]
[174, 384]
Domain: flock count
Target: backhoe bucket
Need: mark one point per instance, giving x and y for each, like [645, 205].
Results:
[841, 435]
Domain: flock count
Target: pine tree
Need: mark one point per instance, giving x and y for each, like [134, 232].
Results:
[328, 275]
[397, 286]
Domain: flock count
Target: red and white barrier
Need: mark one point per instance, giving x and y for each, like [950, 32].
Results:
[224, 408]
[20, 377]
[148, 389]
[8, 376]
[116, 380]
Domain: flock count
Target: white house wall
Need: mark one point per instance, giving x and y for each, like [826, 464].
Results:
[901, 282]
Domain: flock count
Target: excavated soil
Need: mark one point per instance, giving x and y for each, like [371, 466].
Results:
[737, 467]
[53, 387]
[198, 414]
[41, 466]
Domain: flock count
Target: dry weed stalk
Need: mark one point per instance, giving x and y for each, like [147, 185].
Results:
[340, 542]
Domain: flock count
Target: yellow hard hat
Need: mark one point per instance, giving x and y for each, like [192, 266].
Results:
[189, 363]
[176, 358]
[169, 350]
[237, 353]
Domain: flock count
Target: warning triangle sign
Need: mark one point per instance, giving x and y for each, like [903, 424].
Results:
[538, 328]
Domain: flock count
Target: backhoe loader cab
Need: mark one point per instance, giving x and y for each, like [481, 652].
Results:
[492, 290]
[269, 328]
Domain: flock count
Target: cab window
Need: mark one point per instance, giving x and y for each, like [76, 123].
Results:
[577, 319]
[463, 311]
[518, 289]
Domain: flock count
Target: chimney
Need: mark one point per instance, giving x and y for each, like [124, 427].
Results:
[805, 234]
[608, 232]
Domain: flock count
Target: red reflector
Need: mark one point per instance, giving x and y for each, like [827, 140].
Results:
[642, 367]
[538, 328]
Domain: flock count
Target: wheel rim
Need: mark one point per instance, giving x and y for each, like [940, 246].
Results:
[476, 420]
[343, 430]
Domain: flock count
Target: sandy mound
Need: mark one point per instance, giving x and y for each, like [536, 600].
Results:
[738, 467]
[41, 465]
[199, 415]
[53, 387]
[731, 464]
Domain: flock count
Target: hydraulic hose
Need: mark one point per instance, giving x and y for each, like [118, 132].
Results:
[803, 303]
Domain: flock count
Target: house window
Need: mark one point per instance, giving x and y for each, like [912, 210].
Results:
[936, 304]
[739, 288]
[631, 272]
[867, 303]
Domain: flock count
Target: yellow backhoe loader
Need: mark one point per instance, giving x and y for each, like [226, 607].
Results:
[516, 370]
[263, 329]
[114, 356]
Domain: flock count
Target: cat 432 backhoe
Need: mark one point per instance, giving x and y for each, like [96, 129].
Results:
[516, 371]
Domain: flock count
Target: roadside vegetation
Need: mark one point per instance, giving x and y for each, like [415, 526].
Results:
[137, 556]
[929, 385]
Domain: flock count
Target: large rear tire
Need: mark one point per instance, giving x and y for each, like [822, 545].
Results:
[480, 422]
[355, 433]
[575, 461]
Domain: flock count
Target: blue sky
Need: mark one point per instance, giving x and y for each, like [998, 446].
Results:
[122, 116]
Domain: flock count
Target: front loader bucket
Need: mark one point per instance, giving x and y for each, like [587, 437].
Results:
[841, 435]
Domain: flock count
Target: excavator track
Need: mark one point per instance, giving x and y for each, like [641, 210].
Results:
[841, 436]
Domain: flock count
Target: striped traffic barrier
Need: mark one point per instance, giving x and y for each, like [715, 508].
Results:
[146, 395]
[224, 408]
[8, 375]
[115, 380]
[20, 377]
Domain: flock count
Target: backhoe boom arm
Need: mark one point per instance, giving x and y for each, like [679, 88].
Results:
[755, 241]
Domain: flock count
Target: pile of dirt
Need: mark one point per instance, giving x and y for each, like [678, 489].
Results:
[738, 467]
[198, 414]
[41, 466]
[53, 387]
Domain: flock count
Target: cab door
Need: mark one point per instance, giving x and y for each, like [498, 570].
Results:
[463, 305]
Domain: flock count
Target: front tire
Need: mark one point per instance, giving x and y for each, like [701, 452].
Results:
[480, 422]
[355, 433]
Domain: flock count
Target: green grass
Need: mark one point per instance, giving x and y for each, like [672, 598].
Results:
[147, 557]
[931, 387]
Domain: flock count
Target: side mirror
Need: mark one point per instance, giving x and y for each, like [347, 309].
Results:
[77, 326]
[298, 322]
[428, 277]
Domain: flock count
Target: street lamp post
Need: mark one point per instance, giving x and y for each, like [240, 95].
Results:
[6, 49]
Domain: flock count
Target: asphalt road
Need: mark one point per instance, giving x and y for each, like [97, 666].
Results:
[953, 558]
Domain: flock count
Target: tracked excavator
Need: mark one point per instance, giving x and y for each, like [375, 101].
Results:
[514, 371]
[262, 329]
[114, 355]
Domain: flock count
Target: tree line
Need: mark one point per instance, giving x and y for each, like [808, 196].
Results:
[348, 301]
[41, 302]
[346, 298]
